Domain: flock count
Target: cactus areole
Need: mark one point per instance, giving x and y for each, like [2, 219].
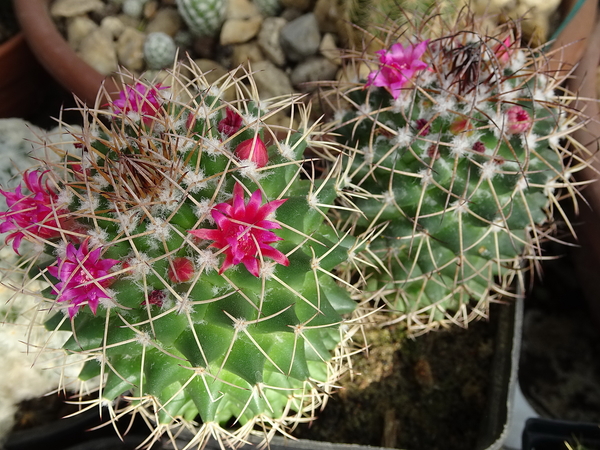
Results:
[195, 277]
[453, 153]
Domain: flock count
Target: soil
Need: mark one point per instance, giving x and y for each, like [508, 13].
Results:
[426, 393]
[42, 410]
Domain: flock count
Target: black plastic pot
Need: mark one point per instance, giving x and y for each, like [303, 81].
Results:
[548, 434]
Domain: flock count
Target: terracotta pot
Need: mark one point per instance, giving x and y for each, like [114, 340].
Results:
[21, 79]
[56, 56]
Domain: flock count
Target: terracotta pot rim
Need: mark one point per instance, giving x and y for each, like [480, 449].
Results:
[56, 55]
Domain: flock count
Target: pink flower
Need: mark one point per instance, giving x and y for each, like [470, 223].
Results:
[253, 149]
[83, 277]
[503, 51]
[518, 120]
[242, 231]
[31, 215]
[180, 270]
[139, 99]
[398, 66]
[231, 123]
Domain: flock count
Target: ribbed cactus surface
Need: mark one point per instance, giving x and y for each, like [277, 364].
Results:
[203, 17]
[191, 262]
[454, 153]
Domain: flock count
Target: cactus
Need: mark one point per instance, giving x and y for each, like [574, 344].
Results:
[160, 50]
[203, 17]
[191, 262]
[454, 152]
[268, 7]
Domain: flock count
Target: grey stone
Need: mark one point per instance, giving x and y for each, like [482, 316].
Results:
[98, 50]
[315, 68]
[300, 38]
[238, 31]
[72, 8]
[130, 49]
[268, 40]
[167, 21]
[77, 29]
[270, 80]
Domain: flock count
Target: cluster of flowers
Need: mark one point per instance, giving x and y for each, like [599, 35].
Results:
[242, 232]
[243, 227]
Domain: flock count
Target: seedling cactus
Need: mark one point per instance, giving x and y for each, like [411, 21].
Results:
[454, 152]
[203, 17]
[190, 259]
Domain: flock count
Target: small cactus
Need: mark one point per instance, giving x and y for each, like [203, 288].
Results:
[203, 17]
[268, 7]
[190, 260]
[454, 152]
[160, 50]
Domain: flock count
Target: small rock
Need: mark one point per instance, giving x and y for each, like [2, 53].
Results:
[113, 25]
[241, 9]
[246, 53]
[268, 40]
[302, 5]
[72, 8]
[270, 80]
[167, 21]
[290, 14]
[150, 10]
[327, 14]
[330, 50]
[130, 49]
[77, 29]
[236, 31]
[315, 68]
[300, 38]
[98, 50]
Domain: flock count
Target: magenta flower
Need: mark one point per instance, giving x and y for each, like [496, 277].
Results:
[253, 149]
[139, 99]
[231, 123]
[243, 231]
[83, 277]
[31, 215]
[503, 51]
[397, 66]
[518, 120]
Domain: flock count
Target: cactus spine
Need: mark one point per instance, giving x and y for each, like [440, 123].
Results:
[454, 154]
[191, 262]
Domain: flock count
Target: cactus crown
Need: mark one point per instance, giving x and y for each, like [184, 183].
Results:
[191, 261]
[203, 17]
[455, 146]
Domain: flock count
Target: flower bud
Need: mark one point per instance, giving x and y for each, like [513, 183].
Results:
[518, 120]
[231, 123]
[253, 149]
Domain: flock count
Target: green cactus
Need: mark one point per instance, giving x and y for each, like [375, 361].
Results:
[268, 7]
[129, 224]
[160, 50]
[453, 156]
[203, 17]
